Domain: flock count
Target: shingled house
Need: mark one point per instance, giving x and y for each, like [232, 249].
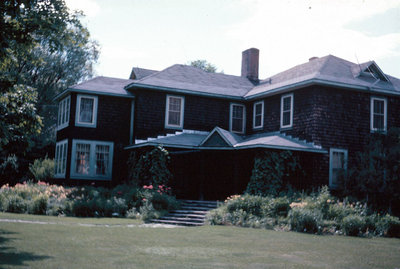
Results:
[213, 124]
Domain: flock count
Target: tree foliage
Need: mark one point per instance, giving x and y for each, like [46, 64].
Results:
[204, 65]
[271, 173]
[44, 49]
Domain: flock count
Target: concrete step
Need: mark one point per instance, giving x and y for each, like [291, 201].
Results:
[195, 208]
[178, 215]
[182, 219]
[189, 212]
[180, 223]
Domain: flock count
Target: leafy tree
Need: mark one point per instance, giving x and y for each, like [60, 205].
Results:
[271, 173]
[44, 49]
[204, 65]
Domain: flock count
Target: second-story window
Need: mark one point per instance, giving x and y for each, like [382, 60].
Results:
[378, 114]
[86, 111]
[63, 113]
[174, 112]
[287, 111]
[258, 114]
[237, 119]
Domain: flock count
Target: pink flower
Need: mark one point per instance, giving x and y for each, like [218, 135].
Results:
[144, 199]
[150, 187]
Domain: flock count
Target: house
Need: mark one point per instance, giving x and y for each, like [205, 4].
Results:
[214, 124]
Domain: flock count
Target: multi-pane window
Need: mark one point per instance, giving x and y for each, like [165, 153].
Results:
[237, 119]
[61, 158]
[287, 111]
[86, 111]
[63, 113]
[258, 114]
[174, 112]
[378, 114]
[338, 166]
[91, 159]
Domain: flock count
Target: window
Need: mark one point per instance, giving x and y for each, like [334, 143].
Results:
[258, 114]
[174, 112]
[91, 159]
[61, 159]
[378, 114]
[86, 111]
[63, 113]
[337, 166]
[237, 119]
[287, 111]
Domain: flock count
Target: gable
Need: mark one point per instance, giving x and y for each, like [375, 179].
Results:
[374, 71]
[215, 140]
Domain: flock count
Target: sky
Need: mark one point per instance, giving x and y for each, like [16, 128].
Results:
[155, 34]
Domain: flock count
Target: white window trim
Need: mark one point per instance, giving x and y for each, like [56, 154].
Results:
[231, 115]
[93, 124]
[384, 114]
[92, 160]
[131, 127]
[61, 111]
[291, 110]
[262, 115]
[331, 151]
[59, 143]
[173, 126]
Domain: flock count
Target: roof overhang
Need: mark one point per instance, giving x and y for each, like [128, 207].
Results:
[69, 90]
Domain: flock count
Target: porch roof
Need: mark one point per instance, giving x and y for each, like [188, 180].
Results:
[220, 139]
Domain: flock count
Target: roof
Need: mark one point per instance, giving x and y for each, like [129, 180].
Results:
[139, 73]
[188, 139]
[191, 79]
[101, 85]
[328, 70]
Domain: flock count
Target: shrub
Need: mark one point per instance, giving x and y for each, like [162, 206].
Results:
[39, 205]
[246, 203]
[388, 226]
[270, 173]
[353, 225]
[305, 220]
[217, 216]
[42, 170]
[280, 206]
[16, 204]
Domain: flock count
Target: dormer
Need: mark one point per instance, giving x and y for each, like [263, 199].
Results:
[371, 70]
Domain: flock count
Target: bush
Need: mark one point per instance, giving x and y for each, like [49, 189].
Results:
[353, 225]
[388, 226]
[305, 220]
[42, 170]
[280, 206]
[38, 205]
[217, 216]
[16, 204]
[246, 203]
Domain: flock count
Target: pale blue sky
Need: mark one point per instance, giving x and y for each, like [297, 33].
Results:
[155, 34]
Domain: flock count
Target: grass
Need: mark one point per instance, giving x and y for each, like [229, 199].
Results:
[117, 244]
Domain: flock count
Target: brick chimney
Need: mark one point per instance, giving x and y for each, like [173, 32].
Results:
[250, 64]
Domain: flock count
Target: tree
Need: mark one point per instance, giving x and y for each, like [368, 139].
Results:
[204, 65]
[44, 49]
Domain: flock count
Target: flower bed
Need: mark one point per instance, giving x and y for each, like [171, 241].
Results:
[122, 201]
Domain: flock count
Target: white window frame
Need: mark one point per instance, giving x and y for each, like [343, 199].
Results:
[384, 114]
[60, 159]
[231, 118]
[92, 160]
[255, 115]
[92, 124]
[64, 112]
[291, 110]
[181, 116]
[331, 151]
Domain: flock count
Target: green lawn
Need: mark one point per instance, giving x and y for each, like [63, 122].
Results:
[124, 243]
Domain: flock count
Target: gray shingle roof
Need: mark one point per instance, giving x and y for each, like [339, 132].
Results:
[192, 79]
[196, 140]
[104, 85]
[329, 70]
[139, 73]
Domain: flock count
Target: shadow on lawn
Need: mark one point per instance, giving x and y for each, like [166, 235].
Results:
[10, 256]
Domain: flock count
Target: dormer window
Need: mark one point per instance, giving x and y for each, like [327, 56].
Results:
[86, 111]
[237, 118]
[374, 71]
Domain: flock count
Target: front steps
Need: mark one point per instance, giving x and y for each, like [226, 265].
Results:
[191, 213]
